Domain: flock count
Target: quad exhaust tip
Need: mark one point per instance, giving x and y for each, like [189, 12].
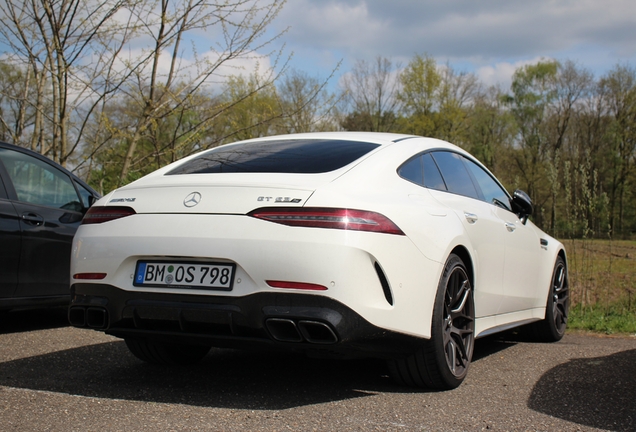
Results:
[92, 317]
[288, 330]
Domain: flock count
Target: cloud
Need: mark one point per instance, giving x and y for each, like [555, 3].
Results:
[487, 35]
[501, 73]
[193, 69]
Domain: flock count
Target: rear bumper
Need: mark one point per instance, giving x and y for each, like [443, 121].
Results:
[315, 324]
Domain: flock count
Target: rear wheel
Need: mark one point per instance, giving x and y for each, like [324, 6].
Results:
[552, 328]
[166, 353]
[442, 362]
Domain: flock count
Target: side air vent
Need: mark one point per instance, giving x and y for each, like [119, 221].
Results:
[385, 284]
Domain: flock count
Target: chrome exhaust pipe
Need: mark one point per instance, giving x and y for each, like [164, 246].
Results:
[77, 316]
[96, 318]
[283, 330]
[317, 332]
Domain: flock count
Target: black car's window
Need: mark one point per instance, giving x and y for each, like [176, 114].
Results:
[85, 194]
[455, 174]
[492, 192]
[306, 156]
[3, 191]
[36, 182]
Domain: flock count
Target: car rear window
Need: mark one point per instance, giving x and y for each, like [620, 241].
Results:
[303, 156]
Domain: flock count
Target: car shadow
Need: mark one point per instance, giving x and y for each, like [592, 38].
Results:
[489, 345]
[224, 379]
[29, 320]
[598, 392]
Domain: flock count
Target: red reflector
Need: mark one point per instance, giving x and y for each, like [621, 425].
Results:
[322, 217]
[296, 285]
[89, 276]
[100, 214]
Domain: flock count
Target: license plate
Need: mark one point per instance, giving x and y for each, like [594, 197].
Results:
[166, 274]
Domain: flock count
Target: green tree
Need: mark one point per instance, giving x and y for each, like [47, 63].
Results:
[618, 89]
[533, 91]
[420, 82]
[491, 131]
[255, 109]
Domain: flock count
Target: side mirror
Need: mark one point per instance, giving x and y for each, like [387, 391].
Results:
[522, 205]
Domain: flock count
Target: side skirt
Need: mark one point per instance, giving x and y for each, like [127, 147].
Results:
[486, 326]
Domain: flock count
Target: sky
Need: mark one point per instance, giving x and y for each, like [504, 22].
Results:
[490, 38]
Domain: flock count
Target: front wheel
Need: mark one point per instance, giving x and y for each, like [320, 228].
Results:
[166, 353]
[442, 362]
[552, 328]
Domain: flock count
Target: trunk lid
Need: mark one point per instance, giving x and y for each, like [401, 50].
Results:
[216, 194]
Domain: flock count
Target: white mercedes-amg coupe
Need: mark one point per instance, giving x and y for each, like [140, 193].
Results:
[338, 244]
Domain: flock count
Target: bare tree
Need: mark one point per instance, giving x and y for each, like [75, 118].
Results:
[306, 104]
[456, 95]
[66, 51]
[241, 26]
[77, 56]
[371, 89]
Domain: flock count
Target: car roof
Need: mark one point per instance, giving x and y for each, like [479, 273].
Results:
[376, 137]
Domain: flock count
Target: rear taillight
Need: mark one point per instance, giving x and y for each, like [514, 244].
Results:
[323, 217]
[296, 285]
[100, 214]
[89, 276]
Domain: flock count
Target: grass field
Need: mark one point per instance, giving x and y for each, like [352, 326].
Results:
[602, 285]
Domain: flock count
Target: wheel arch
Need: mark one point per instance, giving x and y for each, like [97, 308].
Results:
[462, 252]
[561, 254]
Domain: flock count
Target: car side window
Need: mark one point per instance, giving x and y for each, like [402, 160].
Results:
[85, 194]
[3, 191]
[411, 170]
[492, 192]
[432, 177]
[455, 174]
[36, 182]
[422, 170]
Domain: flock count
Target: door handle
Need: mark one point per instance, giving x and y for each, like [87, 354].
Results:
[32, 218]
[471, 217]
[510, 227]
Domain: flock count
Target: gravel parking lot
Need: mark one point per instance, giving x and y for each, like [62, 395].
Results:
[58, 378]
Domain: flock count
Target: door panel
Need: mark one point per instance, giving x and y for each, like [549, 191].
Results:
[523, 249]
[520, 260]
[48, 210]
[45, 260]
[10, 249]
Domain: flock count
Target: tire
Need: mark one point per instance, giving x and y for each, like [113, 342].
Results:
[165, 353]
[442, 362]
[552, 327]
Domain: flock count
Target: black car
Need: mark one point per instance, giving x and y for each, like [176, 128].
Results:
[41, 206]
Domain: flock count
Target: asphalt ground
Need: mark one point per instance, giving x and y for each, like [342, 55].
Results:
[57, 378]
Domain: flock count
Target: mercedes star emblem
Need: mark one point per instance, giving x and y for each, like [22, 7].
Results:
[192, 199]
